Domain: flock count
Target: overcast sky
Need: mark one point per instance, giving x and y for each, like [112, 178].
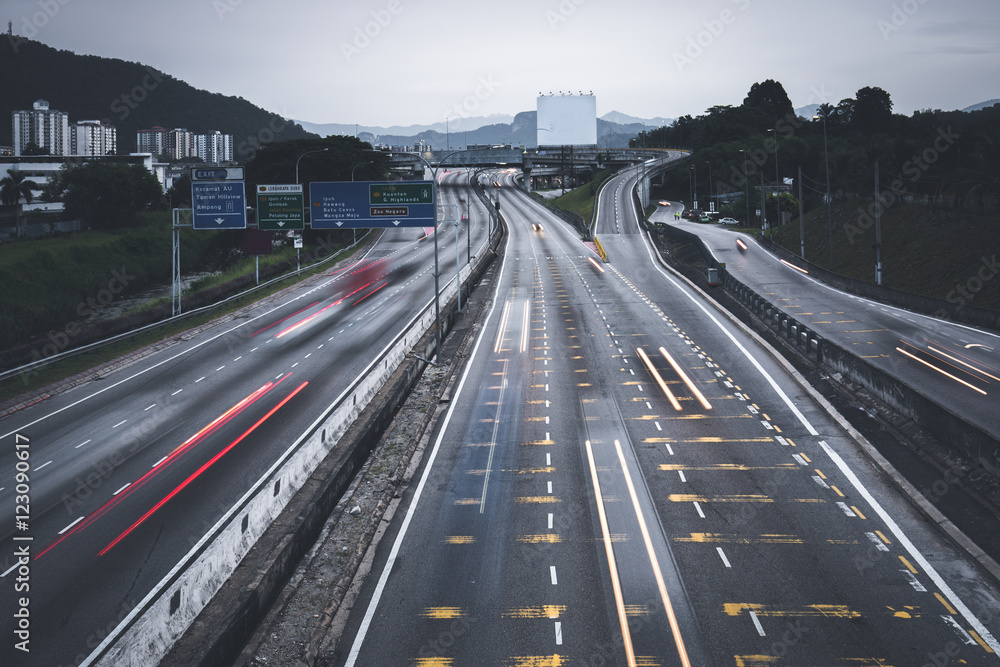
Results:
[402, 62]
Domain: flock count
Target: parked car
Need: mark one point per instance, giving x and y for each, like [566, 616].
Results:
[729, 221]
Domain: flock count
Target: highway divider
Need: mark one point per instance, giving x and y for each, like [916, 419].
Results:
[336, 444]
[948, 427]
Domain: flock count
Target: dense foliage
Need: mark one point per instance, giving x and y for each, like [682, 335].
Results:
[108, 196]
[129, 96]
[948, 158]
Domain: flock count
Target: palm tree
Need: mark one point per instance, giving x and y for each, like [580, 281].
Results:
[13, 188]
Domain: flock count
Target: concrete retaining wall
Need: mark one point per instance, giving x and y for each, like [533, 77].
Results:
[948, 427]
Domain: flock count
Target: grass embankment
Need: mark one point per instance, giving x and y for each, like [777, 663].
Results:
[940, 253]
[128, 257]
[581, 200]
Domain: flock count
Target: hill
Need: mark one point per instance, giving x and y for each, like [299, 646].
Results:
[131, 96]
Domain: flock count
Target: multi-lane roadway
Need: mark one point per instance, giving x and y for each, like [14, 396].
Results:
[122, 476]
[627, 476]
[955, 365]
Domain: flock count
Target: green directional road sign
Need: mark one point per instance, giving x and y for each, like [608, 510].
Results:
[279, 207]
[401, 193]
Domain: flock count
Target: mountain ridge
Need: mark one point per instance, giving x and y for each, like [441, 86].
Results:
[129, 95]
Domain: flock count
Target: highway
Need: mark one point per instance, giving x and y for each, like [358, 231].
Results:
[955, 365]
[126, 473]
[626, 476]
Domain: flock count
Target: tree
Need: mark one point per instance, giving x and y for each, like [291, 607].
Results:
[31, 148]
[13, 188]
[179, 193]
[872, 110]
[771, 100]
[108, 196]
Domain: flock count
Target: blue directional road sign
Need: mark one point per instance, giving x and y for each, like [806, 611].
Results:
[347, 204]
[218, 205]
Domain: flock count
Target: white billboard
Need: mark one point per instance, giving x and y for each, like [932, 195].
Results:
[567, 120]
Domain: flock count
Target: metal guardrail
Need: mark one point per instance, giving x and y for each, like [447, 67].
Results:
[69, 354]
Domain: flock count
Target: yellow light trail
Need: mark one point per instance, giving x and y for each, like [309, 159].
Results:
[941, 371]
[653, 561]
[684, 376]
[609, 550]
[656, 375]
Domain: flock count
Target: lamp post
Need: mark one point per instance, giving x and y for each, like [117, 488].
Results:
[711, 206]
[437, 304]
[777, 179]
[746, 184]
[829, 213]
[318, 150]
[360, 164]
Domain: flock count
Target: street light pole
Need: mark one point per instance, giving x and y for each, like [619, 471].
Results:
[829, 213]
[777, 178]
[318, 150]
[746, 183]
[458, 283]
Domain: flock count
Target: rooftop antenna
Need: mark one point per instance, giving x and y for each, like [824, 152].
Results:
[10, 27]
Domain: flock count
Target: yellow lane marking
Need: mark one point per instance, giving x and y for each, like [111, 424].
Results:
[459, 539]
[907, 565]
[539, 442]
[636, 610]
[547, 538]
[748, 498]
[820, 473]
[467, 501]
[433, 662]
[756, 660]
[680, 417]
[882, 537]
[979, 640]
[824, 610]
[951, 610]
[545, 611]
[858, 512]
[537, 499]
[610, 553]
[838, 491]
[906, 612]
[730, 467]
[714, 439]
[807, 459]
[537, 661]
[659, 440]
[443, 612]
[704, 538]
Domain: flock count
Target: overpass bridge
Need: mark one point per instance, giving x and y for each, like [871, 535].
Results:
[541, 166]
